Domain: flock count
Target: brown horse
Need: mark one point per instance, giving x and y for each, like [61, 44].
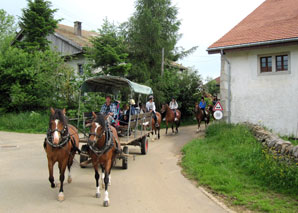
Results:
[61, 144]
[102, 149]
[201, 117]
[154, 128]
[170, 117]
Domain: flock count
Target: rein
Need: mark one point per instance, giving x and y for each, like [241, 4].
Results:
[108, 141]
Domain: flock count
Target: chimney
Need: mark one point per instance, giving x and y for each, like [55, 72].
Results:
[78, 28]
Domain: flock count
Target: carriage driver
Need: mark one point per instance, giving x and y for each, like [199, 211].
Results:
[150, 106]
[109, 108]
[173, 106]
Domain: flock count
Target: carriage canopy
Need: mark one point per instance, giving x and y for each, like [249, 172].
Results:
[113, 84]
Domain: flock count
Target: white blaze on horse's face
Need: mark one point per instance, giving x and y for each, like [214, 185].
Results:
[56, 133]
[97, 125]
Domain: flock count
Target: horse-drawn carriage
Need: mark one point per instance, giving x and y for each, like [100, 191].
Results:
[138, 127]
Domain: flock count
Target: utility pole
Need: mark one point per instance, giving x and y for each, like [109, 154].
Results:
[162, 60]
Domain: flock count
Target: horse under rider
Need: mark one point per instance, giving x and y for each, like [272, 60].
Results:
[202, 105]
[173, 106]
[110, 108]
[150, 106]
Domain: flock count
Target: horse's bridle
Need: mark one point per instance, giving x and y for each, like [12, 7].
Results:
[108, 141]
[63, 140]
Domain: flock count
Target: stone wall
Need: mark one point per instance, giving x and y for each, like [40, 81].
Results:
[275, 145]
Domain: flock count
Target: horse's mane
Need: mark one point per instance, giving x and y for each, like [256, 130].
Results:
[58, 115]
[100, 119]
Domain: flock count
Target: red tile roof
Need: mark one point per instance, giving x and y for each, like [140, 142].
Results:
[217, 80]
[68, 32]
[272, 20]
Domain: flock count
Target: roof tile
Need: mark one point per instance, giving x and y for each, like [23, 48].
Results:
[68, 32]
[272, 20]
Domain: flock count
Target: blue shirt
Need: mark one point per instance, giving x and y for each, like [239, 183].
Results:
[202, 105]
[111, 108]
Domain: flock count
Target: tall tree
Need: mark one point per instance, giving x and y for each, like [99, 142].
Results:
[37, 22]
[109, 51]
[154, 26]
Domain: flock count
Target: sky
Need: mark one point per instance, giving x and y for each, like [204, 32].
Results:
[202, 22]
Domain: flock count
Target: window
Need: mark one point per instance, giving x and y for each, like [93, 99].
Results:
[282, 63]
[80, 69]
[274, 63]
[266, 64]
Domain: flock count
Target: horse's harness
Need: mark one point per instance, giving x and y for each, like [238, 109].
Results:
[108, 141]
[65, 137]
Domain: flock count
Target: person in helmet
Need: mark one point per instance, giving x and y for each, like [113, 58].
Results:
[202, 105]
[173, 106]
[150, 106]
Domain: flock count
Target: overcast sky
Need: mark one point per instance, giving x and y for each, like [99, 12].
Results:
[203, 21]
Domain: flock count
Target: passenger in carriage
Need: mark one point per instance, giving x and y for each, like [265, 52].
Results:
[124, 115]
[140, 109]
[128, 109]
[132, 106]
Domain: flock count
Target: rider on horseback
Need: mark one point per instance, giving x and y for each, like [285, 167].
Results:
[203, 106]
[150, 105]
[173, 106]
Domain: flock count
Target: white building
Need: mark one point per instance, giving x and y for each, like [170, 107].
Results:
[259, 68]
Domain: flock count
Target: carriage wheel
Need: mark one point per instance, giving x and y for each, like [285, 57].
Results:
[84, 158]
[144, 145]
[125, 159]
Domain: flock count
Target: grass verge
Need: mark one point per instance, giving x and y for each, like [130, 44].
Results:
[26, 122]
[235, 166]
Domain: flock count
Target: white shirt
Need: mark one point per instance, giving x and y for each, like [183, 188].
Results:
[150, 106]
[173, 105]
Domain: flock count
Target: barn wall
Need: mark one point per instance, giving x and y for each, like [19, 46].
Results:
[62, 46]
[269, 100]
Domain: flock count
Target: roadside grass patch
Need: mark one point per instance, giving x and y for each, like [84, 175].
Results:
[25, 122]
[233, 164]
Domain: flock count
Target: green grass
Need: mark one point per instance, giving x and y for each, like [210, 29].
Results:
[27, 122]
[231, 162]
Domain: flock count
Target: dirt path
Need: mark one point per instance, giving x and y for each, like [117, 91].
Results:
[152, 183]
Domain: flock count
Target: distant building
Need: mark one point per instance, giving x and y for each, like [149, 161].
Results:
[259, 67]
[69, 42]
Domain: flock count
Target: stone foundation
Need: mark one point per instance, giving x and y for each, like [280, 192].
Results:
[275, 145]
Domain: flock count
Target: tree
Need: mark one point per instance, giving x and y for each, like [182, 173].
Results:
[154, 26]
[109, 51]
[7, 29]
[212, 87]
[37, 22]
[34, 81]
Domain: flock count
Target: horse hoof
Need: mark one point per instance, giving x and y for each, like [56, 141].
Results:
[97, 195]
[61, 196]
[105, 203]
[69, 180]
